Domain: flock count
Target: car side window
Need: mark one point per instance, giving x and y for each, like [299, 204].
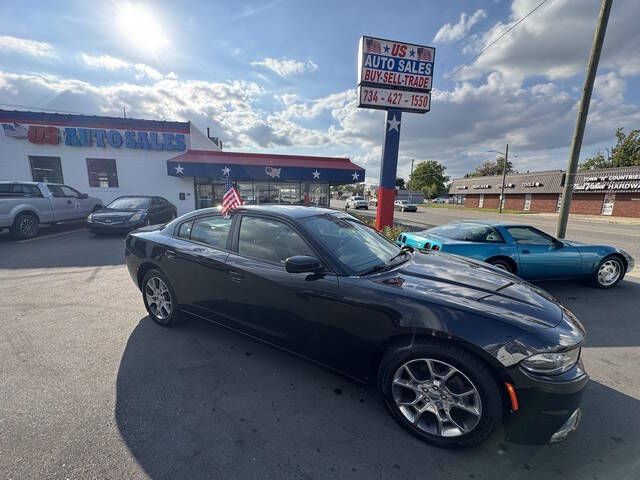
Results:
[69, 192]
[529, 236]
[56, 191]
[212, 230]
[184, 231]
[270, 240]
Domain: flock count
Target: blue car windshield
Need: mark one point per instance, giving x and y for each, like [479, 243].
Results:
[359, 247]
[469, 232]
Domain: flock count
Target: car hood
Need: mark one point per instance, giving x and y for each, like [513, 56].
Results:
[469, 284]
[117, 212]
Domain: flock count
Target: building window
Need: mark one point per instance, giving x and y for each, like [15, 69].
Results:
[102, 172]
[46, 169]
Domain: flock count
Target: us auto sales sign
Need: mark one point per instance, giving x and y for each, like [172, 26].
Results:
[386, 66]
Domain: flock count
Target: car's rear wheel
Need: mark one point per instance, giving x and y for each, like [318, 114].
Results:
[610, 271]
[501, 264]
[441, 394]
[159, 299]
[25, 225]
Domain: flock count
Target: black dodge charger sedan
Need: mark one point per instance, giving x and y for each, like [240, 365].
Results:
[130, 212]
[454, 345]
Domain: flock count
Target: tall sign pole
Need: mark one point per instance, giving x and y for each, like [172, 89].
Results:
[583, 110]
[387, 189]
[504, 177]
[396, 77]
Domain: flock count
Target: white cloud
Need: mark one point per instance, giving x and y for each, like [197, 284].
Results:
[554, 42]
[108, 62]
[26, 47]
[452, 32]
[286, 67]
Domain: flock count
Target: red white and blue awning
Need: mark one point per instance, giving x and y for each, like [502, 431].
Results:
[264, 167]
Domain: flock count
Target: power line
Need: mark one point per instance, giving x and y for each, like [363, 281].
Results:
[493, 42]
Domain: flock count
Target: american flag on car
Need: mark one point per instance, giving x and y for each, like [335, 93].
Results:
[231, 198]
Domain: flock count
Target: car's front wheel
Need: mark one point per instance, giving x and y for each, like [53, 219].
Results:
[501, 264]
[609, 272]
[159, 299]
[440, 393]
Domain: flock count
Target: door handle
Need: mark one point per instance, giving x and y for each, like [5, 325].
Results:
[526, 251]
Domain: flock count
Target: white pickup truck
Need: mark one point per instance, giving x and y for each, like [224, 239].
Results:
[24, 206]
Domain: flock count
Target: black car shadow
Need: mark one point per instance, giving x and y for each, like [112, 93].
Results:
[198, 401]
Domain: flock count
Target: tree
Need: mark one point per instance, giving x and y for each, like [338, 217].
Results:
[400, 183]
[491, 168]
[597, 161]
[429, 178]
[625, 153]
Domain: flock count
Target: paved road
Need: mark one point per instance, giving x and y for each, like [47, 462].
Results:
[622, 235]
[91, 388]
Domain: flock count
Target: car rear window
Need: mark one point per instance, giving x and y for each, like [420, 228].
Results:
[213, 231]
[468, 232]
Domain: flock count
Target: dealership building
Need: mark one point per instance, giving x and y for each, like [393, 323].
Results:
[610, 191]
[107, 157]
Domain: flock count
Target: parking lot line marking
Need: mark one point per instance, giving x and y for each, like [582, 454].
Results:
[49, 236]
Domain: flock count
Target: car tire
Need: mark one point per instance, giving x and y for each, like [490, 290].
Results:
[25, 225]
[156, 292]
[610, 271]
[460, 427]
[501, 264]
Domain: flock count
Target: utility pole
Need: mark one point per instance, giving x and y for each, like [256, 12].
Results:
[410, 177]
[583, 110]
[504, 177]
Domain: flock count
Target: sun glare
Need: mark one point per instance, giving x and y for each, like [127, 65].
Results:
[140, 27]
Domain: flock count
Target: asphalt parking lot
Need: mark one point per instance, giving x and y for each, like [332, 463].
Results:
[91, 388]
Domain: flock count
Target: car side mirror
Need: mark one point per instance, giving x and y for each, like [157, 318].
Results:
[302, 264]
[83, 196]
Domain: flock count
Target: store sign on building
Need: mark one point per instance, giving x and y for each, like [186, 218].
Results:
[483, 186]
[90, 137]
[394, 75]
[532, 184]
[630, 181]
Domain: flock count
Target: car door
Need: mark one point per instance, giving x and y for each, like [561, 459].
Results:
[279, 307]
[65, 205]
[166, 210]
[82, 205]
[195, 262]
[155, 211]
[541, 256]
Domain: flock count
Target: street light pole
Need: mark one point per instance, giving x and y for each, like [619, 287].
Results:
[583, 110]
[504, 177]
[410, 177]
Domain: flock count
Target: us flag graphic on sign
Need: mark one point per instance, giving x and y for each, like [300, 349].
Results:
[373, 46]
[425, 54]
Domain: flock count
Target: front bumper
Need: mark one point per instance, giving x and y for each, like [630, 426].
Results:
[122, 227]
[547, 405]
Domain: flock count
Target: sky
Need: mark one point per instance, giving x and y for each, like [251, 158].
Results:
[280, 76]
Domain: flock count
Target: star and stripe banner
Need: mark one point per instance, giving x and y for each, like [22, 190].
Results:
[15, 130]
[231, 198]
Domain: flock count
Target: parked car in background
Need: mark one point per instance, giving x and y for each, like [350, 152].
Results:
[440, 200]
[24, 206]
[405, 206]
[454, 346]
[356, 202]
[130, 212]
[525, 251]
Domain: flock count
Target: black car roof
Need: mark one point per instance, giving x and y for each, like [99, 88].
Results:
[286, 211]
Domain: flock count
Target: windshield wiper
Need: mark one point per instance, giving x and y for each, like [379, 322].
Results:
[404, 250]
[381, 267]
[376, 268]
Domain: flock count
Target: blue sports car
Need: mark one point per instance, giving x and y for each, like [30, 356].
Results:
[525, 251]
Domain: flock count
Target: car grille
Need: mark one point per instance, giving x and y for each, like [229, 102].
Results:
[110, 220]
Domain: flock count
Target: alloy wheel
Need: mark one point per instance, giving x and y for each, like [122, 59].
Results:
[27, 226]
[158, 298]
[609, 272]
[436, 397]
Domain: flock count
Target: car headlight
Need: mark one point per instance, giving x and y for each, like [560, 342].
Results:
[136, 217]
[551, 363]
[90, 217]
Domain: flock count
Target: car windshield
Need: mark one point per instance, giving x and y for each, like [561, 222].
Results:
[404, 202]
[358, 198]
[130, 203]
[469, 232]
[357, 246]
